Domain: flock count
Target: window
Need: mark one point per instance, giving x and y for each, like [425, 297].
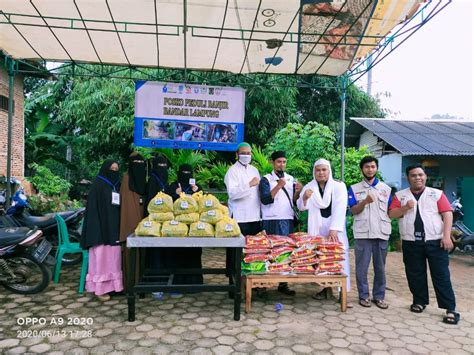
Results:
[4, 103]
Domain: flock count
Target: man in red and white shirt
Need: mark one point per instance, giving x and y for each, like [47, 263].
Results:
[425, 221]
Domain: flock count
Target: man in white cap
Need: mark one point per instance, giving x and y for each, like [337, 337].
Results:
[326, 202]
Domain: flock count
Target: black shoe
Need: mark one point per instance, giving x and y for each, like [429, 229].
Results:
[283, 288]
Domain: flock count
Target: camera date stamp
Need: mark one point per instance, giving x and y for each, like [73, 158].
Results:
[55, 326]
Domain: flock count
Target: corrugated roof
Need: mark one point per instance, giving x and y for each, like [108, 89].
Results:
[430, 137]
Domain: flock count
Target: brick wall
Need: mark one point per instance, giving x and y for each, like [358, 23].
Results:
[18, 131]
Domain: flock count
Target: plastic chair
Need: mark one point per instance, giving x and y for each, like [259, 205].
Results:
[66, 247]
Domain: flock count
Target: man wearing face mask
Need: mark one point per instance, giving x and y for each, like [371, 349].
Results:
[242, 181]
[278, 194]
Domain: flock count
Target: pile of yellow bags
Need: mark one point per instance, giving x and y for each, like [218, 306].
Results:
[203, 213]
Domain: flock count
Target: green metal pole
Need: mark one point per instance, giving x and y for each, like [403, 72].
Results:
[11, 82]
[343, 123]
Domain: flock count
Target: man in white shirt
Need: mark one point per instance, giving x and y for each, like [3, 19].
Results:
[326, 202]
[242, 181]
[278, 194]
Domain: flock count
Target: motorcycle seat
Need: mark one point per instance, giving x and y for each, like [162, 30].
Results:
[13, 235]
[66, 214]
[39, 221]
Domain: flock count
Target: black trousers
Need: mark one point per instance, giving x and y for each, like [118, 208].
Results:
[415, 256]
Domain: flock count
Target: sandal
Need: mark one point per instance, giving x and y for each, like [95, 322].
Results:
[104, 298]
[417, 308]
[381, 304]
[451, 317]
[365, 303]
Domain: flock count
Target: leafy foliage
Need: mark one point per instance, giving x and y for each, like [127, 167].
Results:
[47, 183]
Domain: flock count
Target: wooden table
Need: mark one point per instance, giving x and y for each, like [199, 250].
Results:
[272, 280]
[146, 283]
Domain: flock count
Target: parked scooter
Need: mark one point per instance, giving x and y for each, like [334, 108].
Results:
[18, 216]
[23, 268]
[462, 236]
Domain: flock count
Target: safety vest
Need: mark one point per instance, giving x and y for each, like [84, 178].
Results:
[373, 222]
[428, 205]
[280, 208]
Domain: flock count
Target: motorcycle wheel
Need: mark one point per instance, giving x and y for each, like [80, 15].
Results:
[34, 274]
[68, 259]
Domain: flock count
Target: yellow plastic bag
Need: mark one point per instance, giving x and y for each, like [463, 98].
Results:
[185, 204]
[201, 229]
[161, 216]
[148, 228]
[211, 216]
[174, 229]
[188, 217]
[225, 210]
[161, 203]
[208, 202]
[227, 227]
[197, 196]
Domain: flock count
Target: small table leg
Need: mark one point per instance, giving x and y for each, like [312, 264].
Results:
[131, 285]
[344, 296]
[248, 294]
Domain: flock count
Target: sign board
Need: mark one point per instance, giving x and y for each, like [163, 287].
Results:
[169, 115]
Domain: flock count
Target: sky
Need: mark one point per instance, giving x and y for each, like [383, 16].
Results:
[432, 72]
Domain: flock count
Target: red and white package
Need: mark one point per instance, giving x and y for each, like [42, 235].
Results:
[304, 262]
[256, 251]
[327, 258]
[297, 235]
[309, 269]
[280, 240]
[280, 250]
[330, 267]
[259, 241]
[251, 258]
[331, 250]
[302, 253]
[277, 268]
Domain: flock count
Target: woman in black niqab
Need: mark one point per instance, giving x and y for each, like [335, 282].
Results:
[158, 180]
[100, 233]
[184, 258]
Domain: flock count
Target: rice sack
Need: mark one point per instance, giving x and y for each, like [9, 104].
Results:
[201, 229]
[160, 203]
[211, 216]
[188, 218]
[185, 204]
[148, 228]
[174, 229]
[227, 227]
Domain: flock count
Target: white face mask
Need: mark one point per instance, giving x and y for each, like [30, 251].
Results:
[245, 159]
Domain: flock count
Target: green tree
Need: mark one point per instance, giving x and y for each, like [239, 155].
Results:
[323, 104]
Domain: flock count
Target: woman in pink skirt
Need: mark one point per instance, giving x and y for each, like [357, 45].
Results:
[100, 233]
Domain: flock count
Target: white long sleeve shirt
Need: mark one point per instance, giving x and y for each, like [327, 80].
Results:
[244, 201]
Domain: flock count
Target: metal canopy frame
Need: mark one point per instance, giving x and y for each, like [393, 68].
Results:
[100, 69]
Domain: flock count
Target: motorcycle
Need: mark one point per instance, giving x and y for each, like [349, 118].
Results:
[23, 270]
[461, 235]
[18, 216]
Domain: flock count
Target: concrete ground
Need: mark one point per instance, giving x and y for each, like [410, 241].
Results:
[203, 323]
